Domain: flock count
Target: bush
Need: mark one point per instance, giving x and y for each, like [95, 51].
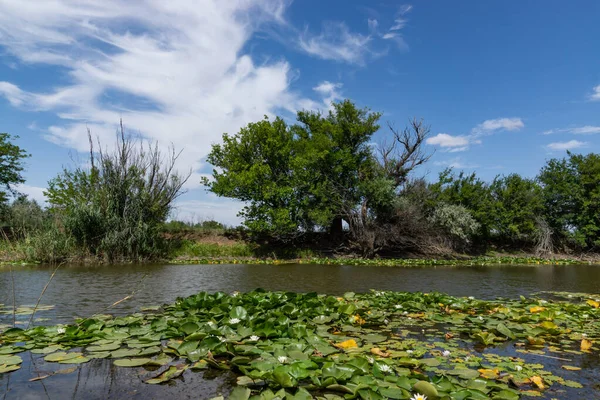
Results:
[455, 221]
[116, 209]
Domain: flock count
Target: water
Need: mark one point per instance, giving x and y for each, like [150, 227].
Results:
[78, 291]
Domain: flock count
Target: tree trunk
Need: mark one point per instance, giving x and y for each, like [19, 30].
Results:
[336, 231]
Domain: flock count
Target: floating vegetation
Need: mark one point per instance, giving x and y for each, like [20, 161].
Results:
[386, 262]
[377, 345]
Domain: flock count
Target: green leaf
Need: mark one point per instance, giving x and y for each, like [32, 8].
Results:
[132, 362]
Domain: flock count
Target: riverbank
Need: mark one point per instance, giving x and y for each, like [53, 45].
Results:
[217, 249]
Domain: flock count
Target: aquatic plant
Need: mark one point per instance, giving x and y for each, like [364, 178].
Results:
[355, 346]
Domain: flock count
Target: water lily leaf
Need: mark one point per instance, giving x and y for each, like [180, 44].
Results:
[593, 303]
[61, 356]
[125, 353]
[171, 373]
[506, 395]
[538, 381]
[189, 328]
[585, 344]
[375, 338]
[100, 354]
[10, 360]
[347, 344]
[75, 360]
[104, 347]
[8, 368]
[572, 384]
[132, 362]
[464, 373]
[505, 331]
[536, 309]
[283, 378]
[240, 393]
[238, 312]
[570, 368]
[427, 389]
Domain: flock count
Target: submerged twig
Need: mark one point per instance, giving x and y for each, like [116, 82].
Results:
[129, 296]
[42, 294]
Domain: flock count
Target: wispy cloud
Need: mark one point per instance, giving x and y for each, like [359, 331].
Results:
[457, 163]
[595, 96]
[338, 43]
[570, 145]
[457, 143]
[582, 130]
[33, 192]
[192, 79]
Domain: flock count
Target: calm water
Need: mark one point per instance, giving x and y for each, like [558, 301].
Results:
[85, 290]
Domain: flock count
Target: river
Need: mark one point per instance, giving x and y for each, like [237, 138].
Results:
[78, 291]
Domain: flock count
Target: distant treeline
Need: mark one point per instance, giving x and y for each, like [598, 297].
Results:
[323, 174]
[320, 183]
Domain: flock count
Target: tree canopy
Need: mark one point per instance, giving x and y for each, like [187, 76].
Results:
[12, 164]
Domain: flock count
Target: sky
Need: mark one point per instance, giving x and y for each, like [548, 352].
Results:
[504, 85]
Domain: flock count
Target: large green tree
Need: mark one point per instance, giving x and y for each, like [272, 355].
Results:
[518, 207]
[571, 192]
[299, 177]
[12, 159]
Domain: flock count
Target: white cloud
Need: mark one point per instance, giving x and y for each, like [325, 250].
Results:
[595, 96]
[493, 125]
[178, 66]
[445, 140]
[458, 143]
[586, 130]
[582, 130]
[336, 42]
[33, 192]
[571, 144]
[457, 163]
[329, 91]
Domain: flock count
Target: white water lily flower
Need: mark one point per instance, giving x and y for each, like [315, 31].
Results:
[235, 294]
[585, 316]
[543, 301]
[467, 358]
[61, 330]
[446, 353]
[222, 339]
[386, 321]
[471, 298]
[371, 360]
[419, 396]
[398, 306]
[282, 359]
[409, 351]
[584, 335]
[234, 320]
[518, 368]
[405, 313]
[480, 318]
[386, 369]
[254, 338]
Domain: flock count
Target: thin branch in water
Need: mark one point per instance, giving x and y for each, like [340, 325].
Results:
[42, 294]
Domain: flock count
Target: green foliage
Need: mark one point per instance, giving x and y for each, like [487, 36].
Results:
[571, 192]
[115, 209]
[468, 191]
[518, 202]
[12, 159]
[24, 217]
[456, 221]
[297, 177]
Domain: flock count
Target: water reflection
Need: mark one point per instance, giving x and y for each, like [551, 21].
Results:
[85, 290]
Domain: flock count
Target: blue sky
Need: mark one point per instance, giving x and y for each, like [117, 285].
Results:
[505, 85]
